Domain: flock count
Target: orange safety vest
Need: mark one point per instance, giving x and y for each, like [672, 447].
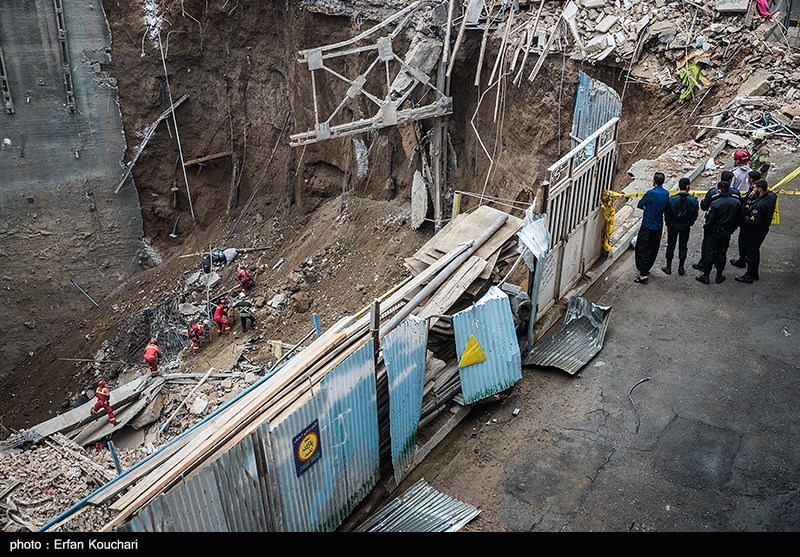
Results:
[103, 394]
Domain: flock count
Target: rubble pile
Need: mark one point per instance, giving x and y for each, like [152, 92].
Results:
[44, 477]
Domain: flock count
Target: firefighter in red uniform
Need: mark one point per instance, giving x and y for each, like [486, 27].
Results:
[221, 317]
[103, 397]
[197, 330]
[246, 281]
[152, 353]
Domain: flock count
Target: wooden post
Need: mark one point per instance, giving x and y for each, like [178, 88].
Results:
[374, 328]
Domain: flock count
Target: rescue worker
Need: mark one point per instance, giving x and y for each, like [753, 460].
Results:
[152, 353]
[755, 226]
[197, 331]
[245, 313]
[760, 159]
[221, 317]
[103, 401]
[722, 219]
[679, 216]
[705, 203]
[246, 281]
[741, 167]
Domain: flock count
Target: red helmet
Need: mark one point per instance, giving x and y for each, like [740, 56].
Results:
[740, 156]
[101, 383]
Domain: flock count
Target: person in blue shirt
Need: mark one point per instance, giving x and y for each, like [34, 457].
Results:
[648, 241]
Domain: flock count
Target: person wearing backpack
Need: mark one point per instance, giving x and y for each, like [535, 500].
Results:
[680, 214]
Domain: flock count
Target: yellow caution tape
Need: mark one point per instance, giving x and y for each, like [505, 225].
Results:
[786, 179]
[473, 353]
[776, 216]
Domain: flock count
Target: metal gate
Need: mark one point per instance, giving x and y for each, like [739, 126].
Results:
[572, 202]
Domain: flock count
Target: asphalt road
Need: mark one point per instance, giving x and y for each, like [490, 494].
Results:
[708, 441]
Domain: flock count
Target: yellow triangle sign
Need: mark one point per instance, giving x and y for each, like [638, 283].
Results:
[473, 353]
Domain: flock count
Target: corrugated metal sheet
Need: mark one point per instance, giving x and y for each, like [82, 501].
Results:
[595, 104]
[421, 509]
[533, 246]
[404, 351]
[345, 405]
[228, 495]
[577, 341]
[492, 324]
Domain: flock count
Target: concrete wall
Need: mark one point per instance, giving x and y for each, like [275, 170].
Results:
[59, 216]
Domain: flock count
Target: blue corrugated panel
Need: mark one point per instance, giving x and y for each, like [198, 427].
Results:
[237, 478]
[492, 324]
[345, 409]
[404, 351]
[595, 104]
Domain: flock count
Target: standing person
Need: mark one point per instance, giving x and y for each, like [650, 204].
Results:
[755, 226]
[197, 331]
[648, 240]
[680, 214]
[152, 353]
[713, 193]
[760, 160]
[246, 281]
[221, 317]
[753, 176]
[705, 203]
[103, 401]
[741, 167]
[722, 219]
[245, 313]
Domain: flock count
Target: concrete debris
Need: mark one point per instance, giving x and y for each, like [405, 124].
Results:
[648, 39]
[31, 494]
[277, 301]
[199, 406]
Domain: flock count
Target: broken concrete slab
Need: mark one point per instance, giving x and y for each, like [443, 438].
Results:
[199, 406]
[756, 85]
[188, 309]
[791, 110]
[732, 6]
[150, 414]
[606, 23]
[734, 140]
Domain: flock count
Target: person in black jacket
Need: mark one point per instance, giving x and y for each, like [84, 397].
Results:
[722, 218]
[755, 226]
[680, 214]
[705, 203]
[752, 177]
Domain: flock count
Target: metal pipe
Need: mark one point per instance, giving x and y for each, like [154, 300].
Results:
[84, 292]
[115, 456]
[443, 275]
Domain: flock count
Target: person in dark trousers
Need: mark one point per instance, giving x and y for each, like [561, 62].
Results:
[722, 219]
[648, 240]
[705, 203]
[680, 214]
[752, 177]
[755, 226]
[245, 313]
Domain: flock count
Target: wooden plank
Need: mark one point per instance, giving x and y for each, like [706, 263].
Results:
[201, 160]
[61, 443]
[449, 292]
[469, 227]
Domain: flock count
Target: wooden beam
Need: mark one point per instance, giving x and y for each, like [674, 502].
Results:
[207, 158]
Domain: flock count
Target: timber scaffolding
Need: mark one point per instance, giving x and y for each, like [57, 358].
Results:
[457, 269]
